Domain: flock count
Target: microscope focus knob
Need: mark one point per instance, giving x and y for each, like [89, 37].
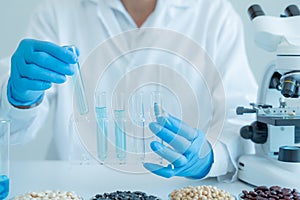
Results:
[257, 132]
[289, 154]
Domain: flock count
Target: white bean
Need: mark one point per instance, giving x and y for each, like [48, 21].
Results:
[49, 195]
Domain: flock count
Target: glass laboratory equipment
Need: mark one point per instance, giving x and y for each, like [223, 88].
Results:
[115, 131]
[157, 110]
[157, 103]
[102, 126]
[79, 86]
[140, 123]
[275, 132]
[4, 158]
[120, 128]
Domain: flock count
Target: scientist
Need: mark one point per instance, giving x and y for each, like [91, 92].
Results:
[40, 67]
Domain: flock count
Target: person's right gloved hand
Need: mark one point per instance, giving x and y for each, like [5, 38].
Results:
[35, 65]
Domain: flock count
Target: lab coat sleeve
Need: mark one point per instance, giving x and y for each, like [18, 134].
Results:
[25, 123]
[240, 89]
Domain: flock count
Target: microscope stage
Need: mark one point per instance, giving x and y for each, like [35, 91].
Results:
[279, 121]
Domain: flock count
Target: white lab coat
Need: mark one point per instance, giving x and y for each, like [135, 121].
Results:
[87, 23]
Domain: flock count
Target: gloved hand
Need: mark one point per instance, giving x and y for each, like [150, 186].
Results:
[34, 67]
[190, 153]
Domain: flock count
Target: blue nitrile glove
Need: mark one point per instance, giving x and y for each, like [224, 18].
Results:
[190, 153]
[34, 67]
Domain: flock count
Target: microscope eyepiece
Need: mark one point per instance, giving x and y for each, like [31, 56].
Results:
[255, 11]
[292, 10]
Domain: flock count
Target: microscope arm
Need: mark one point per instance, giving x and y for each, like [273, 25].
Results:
[265, 82]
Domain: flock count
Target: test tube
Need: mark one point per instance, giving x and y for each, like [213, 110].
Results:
[4, 158]
[157, 103]
[102, 123]
[120, 128]
[79, 86]
[157, 108]
[140, 146]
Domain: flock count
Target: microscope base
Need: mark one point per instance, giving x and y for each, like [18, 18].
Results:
[258, 170]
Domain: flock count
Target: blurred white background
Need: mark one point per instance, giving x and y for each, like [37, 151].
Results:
[14, 16]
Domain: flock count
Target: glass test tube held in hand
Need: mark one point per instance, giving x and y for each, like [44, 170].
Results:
[79, 86]
[120, 128]
[4, 158]
[102, 123]
[157, 104]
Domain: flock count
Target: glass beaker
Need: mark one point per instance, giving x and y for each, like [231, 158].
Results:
[4, 158]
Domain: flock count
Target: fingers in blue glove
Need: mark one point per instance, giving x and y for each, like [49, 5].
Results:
[177, 159]
[43, 61]
[192, 164]
[178, 142]
[34, 85]
[177, 126]
[47, 61]
[35, 66]
[52, 49]
[191, 155]
[159, 170]
[44, 75]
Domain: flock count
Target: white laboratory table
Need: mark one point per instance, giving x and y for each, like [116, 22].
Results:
[87, 180]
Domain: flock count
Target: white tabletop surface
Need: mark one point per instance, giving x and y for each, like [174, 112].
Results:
[87, 180]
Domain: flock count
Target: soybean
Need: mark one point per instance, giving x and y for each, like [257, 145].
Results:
[200, 193]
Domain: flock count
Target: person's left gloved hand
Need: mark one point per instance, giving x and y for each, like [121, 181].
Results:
[190, 154]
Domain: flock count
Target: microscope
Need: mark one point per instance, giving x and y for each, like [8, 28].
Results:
[276, 131]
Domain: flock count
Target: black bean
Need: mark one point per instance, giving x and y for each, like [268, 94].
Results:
[125, 195]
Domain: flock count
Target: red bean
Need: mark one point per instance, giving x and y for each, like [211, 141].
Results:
[271, 193]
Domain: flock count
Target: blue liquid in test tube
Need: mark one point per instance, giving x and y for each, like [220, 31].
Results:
[120, 127]
[102, 123]
[4, 157]
[4, 186]
[102, 132]
[120, 135]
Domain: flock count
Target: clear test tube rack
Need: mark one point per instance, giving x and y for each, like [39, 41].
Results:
[122, 133]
